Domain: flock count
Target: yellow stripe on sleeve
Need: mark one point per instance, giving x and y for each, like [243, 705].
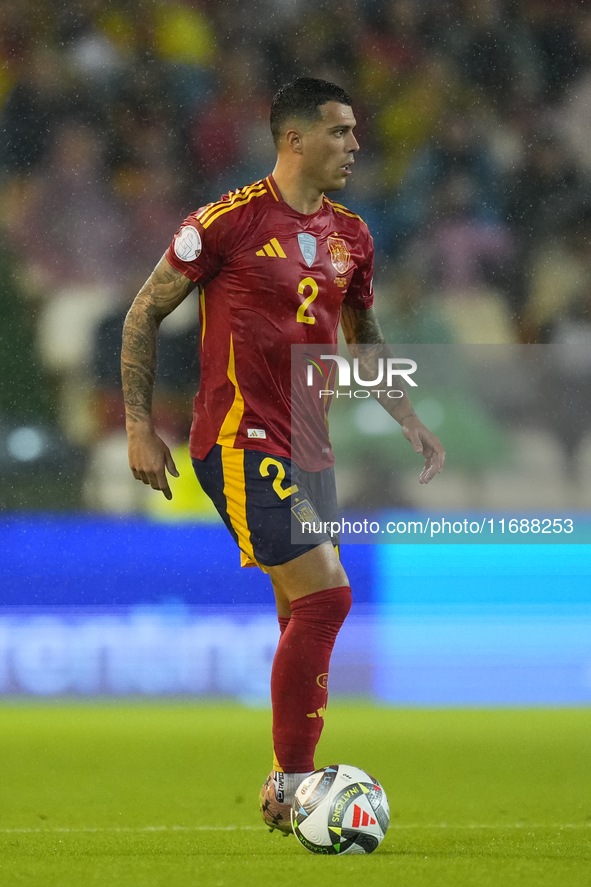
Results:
[233, 195]
[237, 199]
[234, 205]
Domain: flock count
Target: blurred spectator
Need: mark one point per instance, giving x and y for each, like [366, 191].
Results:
[483, 49]
[408, 315]
[411, 113]
[563, 402]
[545, 191]
[391, 45]
[71, 231]
[312, 39]
[460, 251]
[456, 150]
[24, 393]
[560, 275]
[39, 103]
[231, 144]
[554, 29]
[149, 193]
[574, 113]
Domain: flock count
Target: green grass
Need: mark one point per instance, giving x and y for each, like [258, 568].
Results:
[164, 795]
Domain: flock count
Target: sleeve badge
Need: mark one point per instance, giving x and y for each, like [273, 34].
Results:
[187, 244]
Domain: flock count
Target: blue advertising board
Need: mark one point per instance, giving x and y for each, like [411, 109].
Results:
[95, 605]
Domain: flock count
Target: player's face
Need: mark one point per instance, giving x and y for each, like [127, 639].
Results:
[329, 147]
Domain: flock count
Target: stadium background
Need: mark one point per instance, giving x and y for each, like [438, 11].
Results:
[475, 178]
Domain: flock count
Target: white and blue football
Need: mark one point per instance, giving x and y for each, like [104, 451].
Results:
[340, 809]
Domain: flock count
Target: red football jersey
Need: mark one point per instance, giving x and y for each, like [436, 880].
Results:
[269, 277]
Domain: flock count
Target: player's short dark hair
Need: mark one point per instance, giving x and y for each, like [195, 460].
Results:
[302, 99]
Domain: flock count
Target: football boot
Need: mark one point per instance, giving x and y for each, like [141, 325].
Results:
[276, 814]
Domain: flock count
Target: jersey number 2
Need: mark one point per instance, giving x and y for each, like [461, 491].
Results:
[302, 317]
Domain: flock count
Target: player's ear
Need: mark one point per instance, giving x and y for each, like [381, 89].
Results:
[293, 140]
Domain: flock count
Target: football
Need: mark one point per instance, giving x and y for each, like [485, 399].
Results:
[340, 809]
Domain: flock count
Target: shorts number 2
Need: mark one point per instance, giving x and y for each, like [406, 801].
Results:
[279, 477]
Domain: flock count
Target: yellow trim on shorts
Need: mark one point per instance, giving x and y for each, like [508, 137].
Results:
[235, 493]
[233, 469]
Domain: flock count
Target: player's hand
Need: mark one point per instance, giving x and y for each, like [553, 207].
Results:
[424, 442]
[150, 458]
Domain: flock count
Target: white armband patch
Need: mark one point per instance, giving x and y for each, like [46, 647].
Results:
[187, 244]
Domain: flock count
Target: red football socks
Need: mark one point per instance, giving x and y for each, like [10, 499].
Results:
[300, 674]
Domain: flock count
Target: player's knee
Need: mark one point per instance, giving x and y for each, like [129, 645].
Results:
[331, 605]
[342, 603]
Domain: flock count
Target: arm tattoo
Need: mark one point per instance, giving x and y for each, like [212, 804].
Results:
[361, 328]
[164, 290]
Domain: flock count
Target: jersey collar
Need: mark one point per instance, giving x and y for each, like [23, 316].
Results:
[276, 195]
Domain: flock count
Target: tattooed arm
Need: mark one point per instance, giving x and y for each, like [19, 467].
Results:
[361, 328]
[149, 457]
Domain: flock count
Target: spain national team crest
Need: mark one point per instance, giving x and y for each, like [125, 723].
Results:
[339, 254]
[307, 244]
[305, 512]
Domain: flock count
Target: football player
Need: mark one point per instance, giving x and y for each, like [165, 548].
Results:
[275, 263]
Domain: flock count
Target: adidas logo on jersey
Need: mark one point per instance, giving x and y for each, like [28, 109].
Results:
[273, 249]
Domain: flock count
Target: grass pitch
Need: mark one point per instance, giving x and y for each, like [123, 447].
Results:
[165, 795]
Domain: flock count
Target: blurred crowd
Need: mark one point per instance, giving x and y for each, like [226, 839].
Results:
[119, 117]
